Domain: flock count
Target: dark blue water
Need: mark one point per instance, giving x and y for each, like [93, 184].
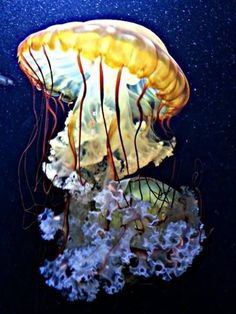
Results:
[199, 34]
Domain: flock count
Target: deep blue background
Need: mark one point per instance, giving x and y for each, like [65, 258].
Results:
[199, 34]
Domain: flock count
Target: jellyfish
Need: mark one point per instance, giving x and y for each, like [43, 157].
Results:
[113, 80]
[121, 79]
[5, 81]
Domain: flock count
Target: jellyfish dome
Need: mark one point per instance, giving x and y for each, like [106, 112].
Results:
[121, 78]
[118, 79]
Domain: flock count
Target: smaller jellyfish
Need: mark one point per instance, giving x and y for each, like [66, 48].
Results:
[6, 81]
[118, 80]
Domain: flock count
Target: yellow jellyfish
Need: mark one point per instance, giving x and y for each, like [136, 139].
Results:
[118, 79]
[121, 79]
